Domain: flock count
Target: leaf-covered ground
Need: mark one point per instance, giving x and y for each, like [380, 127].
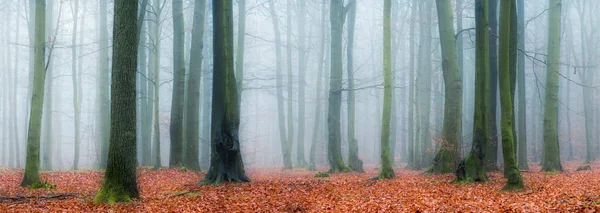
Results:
[273, 190]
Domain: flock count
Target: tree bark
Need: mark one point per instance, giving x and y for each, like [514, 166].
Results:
[551, 161]
[32, 163]
[119, 183]
[226, 160]
[302, 63]
[472, 167]
[176, 127]
[195, 74]
[522, 122]
[492, 151]
[353, 161]
[286, 147]
[511, 173]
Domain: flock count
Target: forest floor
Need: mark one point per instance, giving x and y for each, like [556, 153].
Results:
[273, 190]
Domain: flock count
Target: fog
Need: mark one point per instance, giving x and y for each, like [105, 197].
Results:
[72, 108]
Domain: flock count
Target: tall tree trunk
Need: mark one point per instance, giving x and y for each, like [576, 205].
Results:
[318, 120]
[47, 111]
[286, 147]
[334, 148]
[551, 161]
[241, 37]
[353, 161]
[206, 100]
[103, 88]
[424, 85]
[411, 90]
[32, 163]
[193, 106]
[76, 91]
[290, 78]
[155, 56]
[226, 160]
[522, 151]
[514, 38]
[176, 127]
[492, 151]
[460, 55]
[472, 167]
[386, 163]
[447, 157]
[511, 173]
[145, 121]
[119, 184]
[302, 63]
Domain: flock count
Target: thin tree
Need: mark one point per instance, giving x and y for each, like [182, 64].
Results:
[75, 82]
[32, 163]
[551, 151]
[472, 167]
[119, 184]
[193, 99]
[318, 120]
[286, 146]
[492, 151]
[447, 157]
[511, 173]
[290, 79]
[226, 159]
[334, 148]
[522, 122]
[386, 163]
[353, 161]
[176, 126]
[103, 88]
[155, 67]
[302, 63]
[411, 91]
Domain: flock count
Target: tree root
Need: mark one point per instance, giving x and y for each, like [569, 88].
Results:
[25, 198]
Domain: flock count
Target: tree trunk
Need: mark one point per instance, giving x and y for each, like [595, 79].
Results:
[32, 163]
[334, 148]
[511, 173]
[302, 63]
[103, 88]
[176, 127]
[522, 151]
[206, 108]
[155, 66]
[353, 161]
[119, 183]
[424, 85]
[47, 111]
[226, 160]
[551, 161]
[286, 147]
[492, 151]
[472, 167]
[76, 91]
[514, 39]
[447, 157]
[318, 118]
[290, 83]
[411, 90]
[195, 74]
[386, 163]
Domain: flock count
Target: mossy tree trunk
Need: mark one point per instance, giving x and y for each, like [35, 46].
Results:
[302, 63]
[119, 184]
[511, 173]
[472, 167]
[551, 161]
[447, 157]
[286, 147]
[193, 107]
[176, 123]
[334, 148]
[32, 163]
[318, 118]
[522, 122]
[492, 151]
[226, 162]
[386, 163]
[353, 161]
